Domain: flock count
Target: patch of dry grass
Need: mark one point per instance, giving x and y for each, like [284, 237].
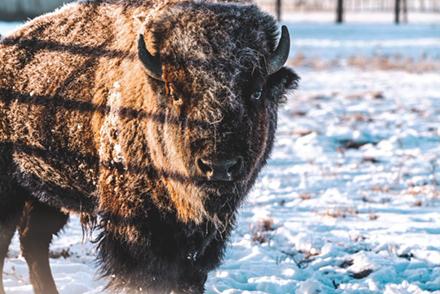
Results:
[340, 212]
[260, 230]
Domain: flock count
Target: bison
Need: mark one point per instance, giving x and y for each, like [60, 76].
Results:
[150, 119]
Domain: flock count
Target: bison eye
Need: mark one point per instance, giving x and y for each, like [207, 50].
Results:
[176, 99]
[257, 95]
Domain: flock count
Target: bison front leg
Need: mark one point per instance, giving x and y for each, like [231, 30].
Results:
[192, 282]
[11, 206]
[39, 223]
[8, 223]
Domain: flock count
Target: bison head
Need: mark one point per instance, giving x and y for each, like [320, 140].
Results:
[217, 78]
[191, 123]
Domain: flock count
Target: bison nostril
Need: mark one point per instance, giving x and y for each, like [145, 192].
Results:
[221, 170]
[235, 166]
[204, 167]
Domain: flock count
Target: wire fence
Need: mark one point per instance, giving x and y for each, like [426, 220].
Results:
[352, 5]
[24, 9]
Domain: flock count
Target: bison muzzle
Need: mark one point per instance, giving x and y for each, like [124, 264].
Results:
[149, 119]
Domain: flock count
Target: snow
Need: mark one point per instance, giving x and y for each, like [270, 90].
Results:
[8, 27]
[350, 200]
[330, 40]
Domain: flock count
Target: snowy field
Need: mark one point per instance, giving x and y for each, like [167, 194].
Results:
[350, 200]
[375, 39]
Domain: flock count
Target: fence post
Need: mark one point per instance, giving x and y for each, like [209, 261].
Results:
[397, 11]
[405, 11]
[340, 11]
[278, 9]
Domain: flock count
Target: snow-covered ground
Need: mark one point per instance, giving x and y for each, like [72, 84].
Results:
[323, 40]
[349, 202]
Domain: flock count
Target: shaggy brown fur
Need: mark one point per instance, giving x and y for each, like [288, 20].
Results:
[84, 129]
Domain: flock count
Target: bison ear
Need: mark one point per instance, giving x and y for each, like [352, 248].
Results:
[282, 82]
[152, 64]
[281, 53]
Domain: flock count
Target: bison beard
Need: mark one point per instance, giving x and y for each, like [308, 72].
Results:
[150, 119]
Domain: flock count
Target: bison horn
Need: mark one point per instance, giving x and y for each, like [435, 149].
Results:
[280, 55]
[151, 63]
